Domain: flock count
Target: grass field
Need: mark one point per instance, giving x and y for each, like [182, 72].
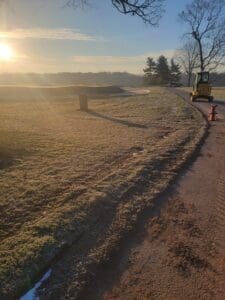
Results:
[57, 164]
[217, 92]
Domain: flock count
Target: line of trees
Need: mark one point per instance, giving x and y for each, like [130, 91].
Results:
[160, 72]
[67, 78]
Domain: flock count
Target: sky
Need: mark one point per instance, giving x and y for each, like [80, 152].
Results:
[47, 37]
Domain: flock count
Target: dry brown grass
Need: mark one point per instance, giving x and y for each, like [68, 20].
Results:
[56, 163]
[217, 92]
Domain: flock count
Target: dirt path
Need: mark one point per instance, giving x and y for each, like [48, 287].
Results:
[180, 253]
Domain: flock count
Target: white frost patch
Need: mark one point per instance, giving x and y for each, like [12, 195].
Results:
[31, 294]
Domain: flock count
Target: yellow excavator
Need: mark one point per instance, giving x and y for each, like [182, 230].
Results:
[201, 88]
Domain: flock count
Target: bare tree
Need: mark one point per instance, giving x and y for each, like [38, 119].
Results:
[188, 58]
[150, 11]
[206, 22]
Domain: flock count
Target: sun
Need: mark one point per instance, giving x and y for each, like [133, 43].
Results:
[6, 52]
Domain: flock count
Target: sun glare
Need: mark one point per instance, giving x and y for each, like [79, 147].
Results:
[6, 52]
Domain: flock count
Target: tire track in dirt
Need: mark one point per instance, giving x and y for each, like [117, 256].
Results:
[80, 185]
[220, 211]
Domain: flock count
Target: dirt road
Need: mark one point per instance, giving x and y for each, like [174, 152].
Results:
[180, 253]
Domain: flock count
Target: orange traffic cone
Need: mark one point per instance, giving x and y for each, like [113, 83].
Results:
[212, 113]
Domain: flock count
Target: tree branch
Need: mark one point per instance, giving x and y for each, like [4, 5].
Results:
[150, 11]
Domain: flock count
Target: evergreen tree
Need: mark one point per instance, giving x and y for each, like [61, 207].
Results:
[160, 72]
[150, 72]
[175, 73]
[163, 70]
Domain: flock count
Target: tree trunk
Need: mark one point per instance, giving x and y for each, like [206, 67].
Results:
[201, 55]
[189, 79]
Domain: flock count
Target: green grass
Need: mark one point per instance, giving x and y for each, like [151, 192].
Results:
[56, 163]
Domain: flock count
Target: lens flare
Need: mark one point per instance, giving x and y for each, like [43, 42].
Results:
[6, 52]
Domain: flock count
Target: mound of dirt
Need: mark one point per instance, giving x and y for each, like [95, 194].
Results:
[23, 92]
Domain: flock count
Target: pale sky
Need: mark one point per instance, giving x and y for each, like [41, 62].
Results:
[46, 37]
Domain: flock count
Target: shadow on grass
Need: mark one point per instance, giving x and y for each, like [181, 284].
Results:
[114, 120]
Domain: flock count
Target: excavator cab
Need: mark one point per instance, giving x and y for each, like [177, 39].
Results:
[201, 87]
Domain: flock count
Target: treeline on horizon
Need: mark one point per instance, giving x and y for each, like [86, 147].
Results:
[100, 78]
[66, 78]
